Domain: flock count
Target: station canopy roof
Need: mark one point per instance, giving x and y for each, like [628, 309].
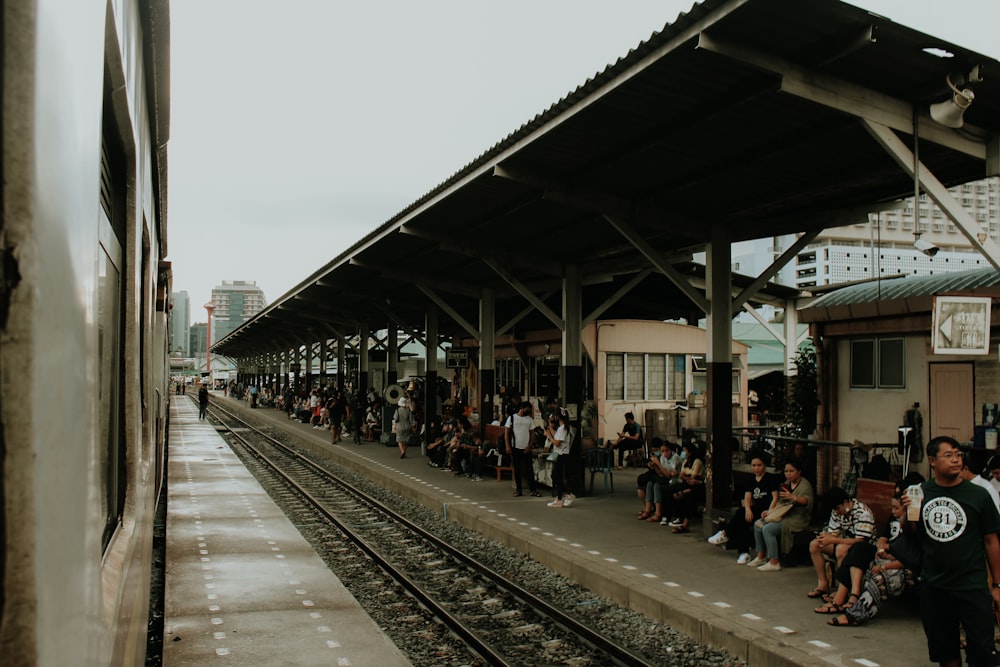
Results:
[742, 113]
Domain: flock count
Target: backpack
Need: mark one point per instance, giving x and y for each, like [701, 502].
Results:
[877, 468]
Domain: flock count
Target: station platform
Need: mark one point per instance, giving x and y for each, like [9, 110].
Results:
[242, 585]
[680, 579]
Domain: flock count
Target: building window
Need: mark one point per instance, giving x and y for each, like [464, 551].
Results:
[878, 363]
[615, 376]
[636, 376]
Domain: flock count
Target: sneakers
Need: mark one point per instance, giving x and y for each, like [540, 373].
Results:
[719, 538]
[665, 521]
[676, 522]
[743, 559]
[770, 567]
[556, 503]
[568, 499]
[756, 562]
[477, 478]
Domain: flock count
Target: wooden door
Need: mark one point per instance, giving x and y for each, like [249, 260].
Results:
[952, 411]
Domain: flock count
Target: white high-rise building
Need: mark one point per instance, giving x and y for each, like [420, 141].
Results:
[236, 301]
[884, 245]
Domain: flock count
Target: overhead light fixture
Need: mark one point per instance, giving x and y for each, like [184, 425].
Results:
[950, 112]
[925, 247]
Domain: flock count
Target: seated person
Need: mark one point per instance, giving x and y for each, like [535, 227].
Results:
[797, 493]
[683, 497]
[371, 427]
[893, 573]
[851, 521]
[628, 440]
[438, 436]
[761, 495]
[664, 468]
[467, 458]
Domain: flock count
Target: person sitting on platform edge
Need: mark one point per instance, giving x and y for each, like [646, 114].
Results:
[891, 574]
[851, 521]
[664, 468]
[630, 439]
[683, 498]
[761, 495]
[797, 493]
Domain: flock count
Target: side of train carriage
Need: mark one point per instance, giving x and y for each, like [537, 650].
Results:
[84, 301]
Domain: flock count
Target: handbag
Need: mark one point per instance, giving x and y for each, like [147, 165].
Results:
[778, 513]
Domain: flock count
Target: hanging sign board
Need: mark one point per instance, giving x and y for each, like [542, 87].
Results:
[457, 358]
[961, 325]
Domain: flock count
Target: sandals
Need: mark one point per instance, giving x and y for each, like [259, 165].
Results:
[644, 515]
[680, 529]
[817, 593]
[848, 621]
[654, 519]
[849, 603]
[829, 608]
[517, 494]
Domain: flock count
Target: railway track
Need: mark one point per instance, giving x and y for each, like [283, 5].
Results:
[452, 608]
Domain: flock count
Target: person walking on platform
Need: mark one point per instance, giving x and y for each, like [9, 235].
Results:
[402, 425]
[517, 435]
[958, 526]
[202, 401]
[253, 395]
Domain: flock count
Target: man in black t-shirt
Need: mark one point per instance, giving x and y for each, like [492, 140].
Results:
[630, 439]
[958, 526]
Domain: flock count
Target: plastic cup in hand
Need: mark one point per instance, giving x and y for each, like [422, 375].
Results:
[916, 494]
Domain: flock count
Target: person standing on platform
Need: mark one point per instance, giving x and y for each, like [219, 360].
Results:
[561, 437]
[517, 434]
[253, 395]
[202, 401]
[958, 527]
[402, 425]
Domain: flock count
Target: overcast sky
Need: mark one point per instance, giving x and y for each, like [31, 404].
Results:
[298, 127]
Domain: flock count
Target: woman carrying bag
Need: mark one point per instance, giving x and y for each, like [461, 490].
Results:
[561, 438]
[794, 510]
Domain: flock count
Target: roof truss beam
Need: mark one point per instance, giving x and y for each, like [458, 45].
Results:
[660, 263]
[523, 290]
[844, 96]
[452, 313]
[978, 237]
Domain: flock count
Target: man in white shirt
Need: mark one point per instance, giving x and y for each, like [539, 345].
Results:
[517, 434]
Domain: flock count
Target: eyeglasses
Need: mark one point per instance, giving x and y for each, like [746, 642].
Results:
[953, 455]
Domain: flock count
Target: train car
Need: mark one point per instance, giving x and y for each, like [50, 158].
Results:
[83, 325]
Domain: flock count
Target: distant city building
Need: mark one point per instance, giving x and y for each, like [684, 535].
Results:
[236, 301]
[180, 324]
[882, 246]
[197, 340]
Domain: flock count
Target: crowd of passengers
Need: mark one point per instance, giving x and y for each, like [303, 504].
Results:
[454, 444]
[858, 565]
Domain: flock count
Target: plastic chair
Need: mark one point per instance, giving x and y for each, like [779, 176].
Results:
[601, 460]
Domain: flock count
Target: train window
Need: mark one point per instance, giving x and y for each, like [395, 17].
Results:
[110, 300]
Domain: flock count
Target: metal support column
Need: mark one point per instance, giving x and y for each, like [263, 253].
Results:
[719, 462]
[571, 372]
[487, 356]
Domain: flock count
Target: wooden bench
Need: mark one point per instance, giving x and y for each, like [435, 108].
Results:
[494, 436]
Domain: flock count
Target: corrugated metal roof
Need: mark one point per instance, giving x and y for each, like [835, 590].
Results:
[695, 128]
[913, 294]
